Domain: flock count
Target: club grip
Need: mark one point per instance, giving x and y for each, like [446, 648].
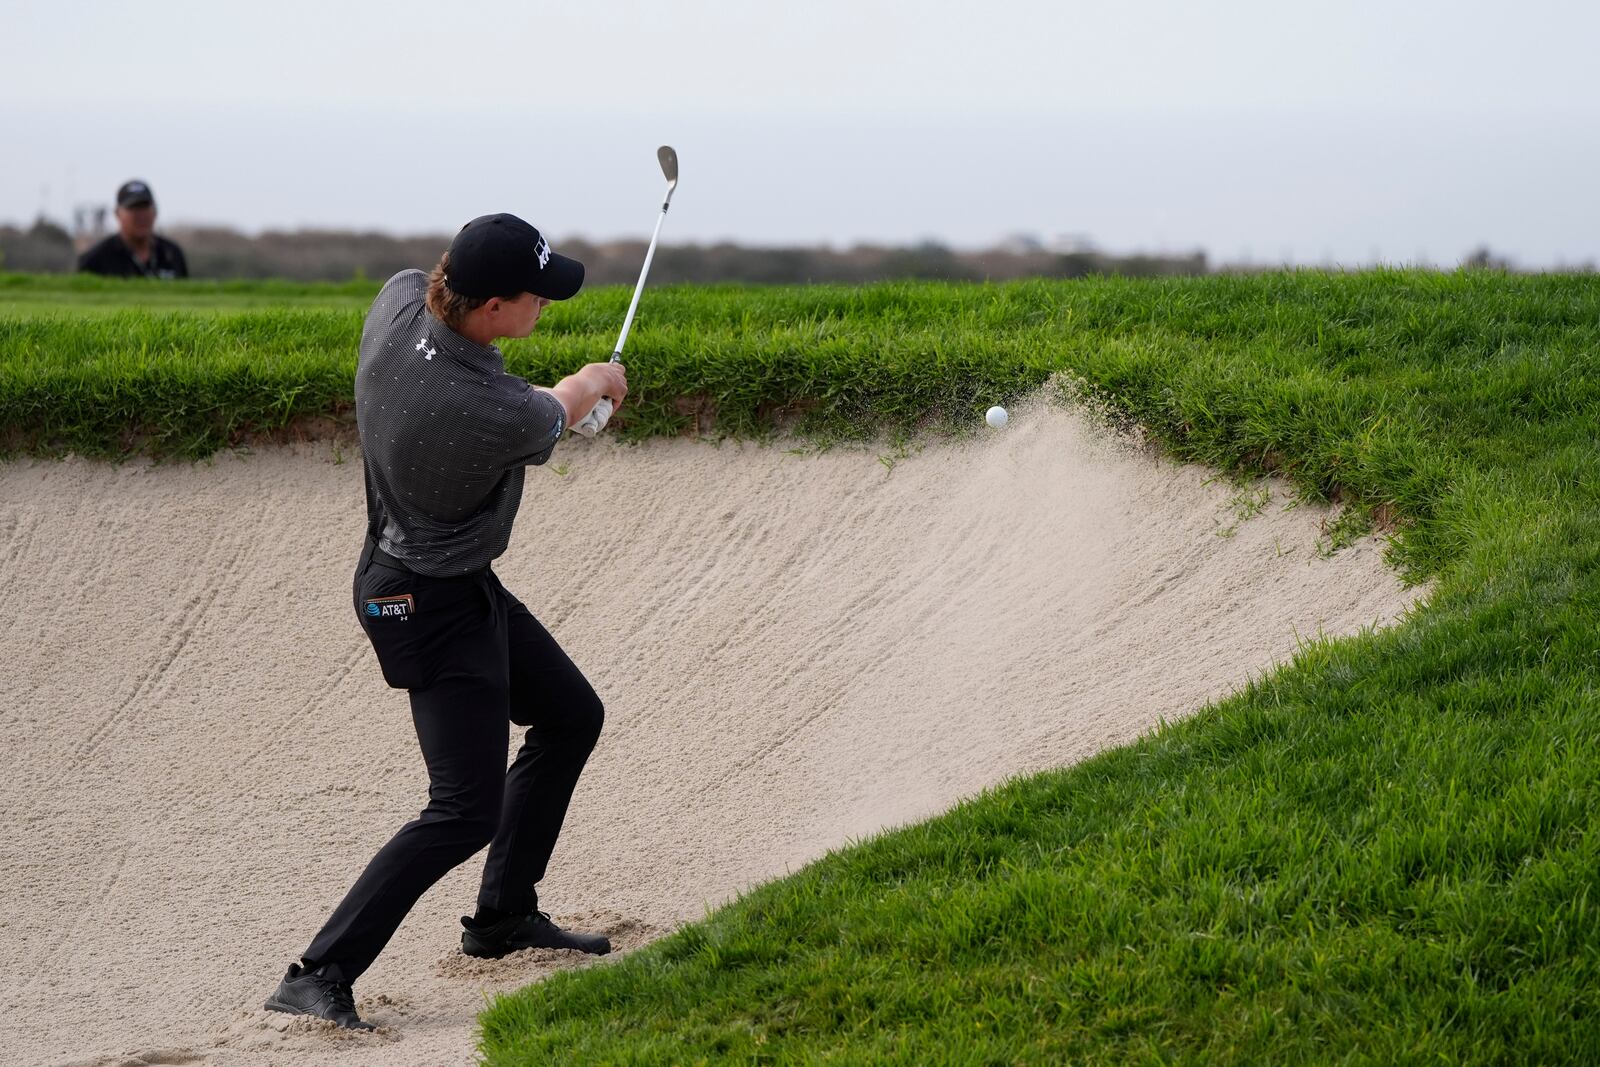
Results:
[597, 418]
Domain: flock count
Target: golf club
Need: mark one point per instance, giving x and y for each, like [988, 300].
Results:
[595, 421]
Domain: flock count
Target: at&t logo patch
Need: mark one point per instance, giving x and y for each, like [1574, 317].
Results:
[390, 607]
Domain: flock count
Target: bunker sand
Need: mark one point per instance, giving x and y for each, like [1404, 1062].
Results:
[794, 650]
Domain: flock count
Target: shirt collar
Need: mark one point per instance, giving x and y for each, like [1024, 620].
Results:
[485, 359]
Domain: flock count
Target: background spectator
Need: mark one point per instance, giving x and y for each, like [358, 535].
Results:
[135, 250]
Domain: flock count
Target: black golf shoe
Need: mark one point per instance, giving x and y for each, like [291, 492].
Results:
[493, 940]
[304, 992]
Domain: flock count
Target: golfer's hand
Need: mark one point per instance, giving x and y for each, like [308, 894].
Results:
[606, 379]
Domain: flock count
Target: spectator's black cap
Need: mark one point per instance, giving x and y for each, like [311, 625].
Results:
[500, 255]
[134, 194]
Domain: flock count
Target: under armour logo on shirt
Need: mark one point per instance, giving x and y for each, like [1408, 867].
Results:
[543, 249]
[431, 351]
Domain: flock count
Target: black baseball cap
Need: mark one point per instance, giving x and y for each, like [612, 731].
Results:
[134, 193]
[500, 255]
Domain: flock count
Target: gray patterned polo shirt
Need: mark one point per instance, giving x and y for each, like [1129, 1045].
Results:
[445, 435]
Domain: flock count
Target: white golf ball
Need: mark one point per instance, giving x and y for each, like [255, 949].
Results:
[996, 417]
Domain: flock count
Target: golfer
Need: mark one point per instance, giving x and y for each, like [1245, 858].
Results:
[445, 435]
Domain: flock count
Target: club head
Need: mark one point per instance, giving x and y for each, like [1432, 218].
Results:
[669, 165]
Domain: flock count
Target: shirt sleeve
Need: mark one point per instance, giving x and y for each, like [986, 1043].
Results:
[182, 265]
[536, 429]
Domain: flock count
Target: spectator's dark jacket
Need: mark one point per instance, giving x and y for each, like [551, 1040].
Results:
[113, 257]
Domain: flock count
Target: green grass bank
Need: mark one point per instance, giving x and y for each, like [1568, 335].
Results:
[1383, 853]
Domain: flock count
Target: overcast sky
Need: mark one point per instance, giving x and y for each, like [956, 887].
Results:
[1299, 130]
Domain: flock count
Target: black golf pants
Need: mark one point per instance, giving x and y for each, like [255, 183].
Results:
[473, 659]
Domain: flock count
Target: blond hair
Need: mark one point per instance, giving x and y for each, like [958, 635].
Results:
[447, 305]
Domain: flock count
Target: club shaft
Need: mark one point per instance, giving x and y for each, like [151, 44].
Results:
[633, 306]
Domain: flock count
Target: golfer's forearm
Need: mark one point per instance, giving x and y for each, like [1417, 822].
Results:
[577, 395]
